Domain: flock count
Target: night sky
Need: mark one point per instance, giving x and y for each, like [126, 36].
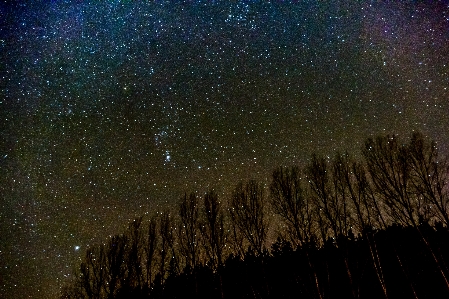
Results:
[113, 110]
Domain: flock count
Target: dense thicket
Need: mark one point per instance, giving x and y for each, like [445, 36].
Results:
[376, 228]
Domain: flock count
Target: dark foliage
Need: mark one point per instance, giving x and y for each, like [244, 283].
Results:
[286, 273]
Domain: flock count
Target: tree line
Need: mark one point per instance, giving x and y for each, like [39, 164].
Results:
[375, 228]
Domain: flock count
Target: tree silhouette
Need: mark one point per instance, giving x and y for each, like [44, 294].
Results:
[390, 171]
[289, 199]
[213, 230]
[189, 233]
[367, 207]
[166, 249]
[330, 198]
[115, 261]
[247, 213]
[93, 275]
[133, 275]
[429, 177]
[397, 171]
[150, 250]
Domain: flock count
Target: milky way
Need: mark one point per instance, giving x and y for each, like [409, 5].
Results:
[113, 110]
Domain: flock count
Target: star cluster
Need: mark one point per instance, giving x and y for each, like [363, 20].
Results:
[113, 109]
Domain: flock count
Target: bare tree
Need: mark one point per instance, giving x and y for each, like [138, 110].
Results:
[93, 273]
[166, 249]
[134, 277]
[115, 261]
[368, 208]
[247, 213]
[399, 175]
[357, 204]
[288, 199]
[237, 238]
[150, 250]
[212, 229]
[189, 229]
[390, 171]
[337, 197]
[430, 178]
[350, 181]
[330, 194]
[102, 272]
[341, 191]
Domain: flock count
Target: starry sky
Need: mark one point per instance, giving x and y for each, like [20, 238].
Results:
[113, 109]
